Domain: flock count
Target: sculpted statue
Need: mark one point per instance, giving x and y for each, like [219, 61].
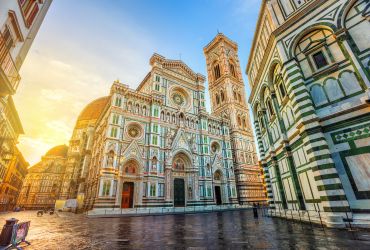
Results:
[110, 159]
[193, 144]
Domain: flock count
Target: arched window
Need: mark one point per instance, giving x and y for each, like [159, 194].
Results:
[162, 115]
[244, 123]
[235, 96]
[154, 163]
[217, 99]
[333, 90]
[232, 69]
[270, 108]
[318, 95]
[137, 110]
[144, 110]
[168, 116]
[349, 83]
[278, 81]
[239, 121]
[239, 97]
[222, 96]
[216, 71]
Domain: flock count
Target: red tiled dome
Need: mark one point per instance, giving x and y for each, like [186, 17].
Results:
[60, 150]
[93, 109]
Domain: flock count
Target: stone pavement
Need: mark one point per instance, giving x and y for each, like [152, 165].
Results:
[219, 230]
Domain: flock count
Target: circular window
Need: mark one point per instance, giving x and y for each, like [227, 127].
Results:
[215, 147]
[178, 99]
[134, 131]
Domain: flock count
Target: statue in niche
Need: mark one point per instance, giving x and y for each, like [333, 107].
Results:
[190, 193]
[110, 159]
[193, 144]
[169, 137]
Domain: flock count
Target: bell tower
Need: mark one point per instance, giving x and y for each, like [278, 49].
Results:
[228, 100]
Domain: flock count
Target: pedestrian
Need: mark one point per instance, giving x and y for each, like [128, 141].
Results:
[255, 211]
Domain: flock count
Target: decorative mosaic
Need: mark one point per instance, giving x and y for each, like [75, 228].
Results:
[351, 134]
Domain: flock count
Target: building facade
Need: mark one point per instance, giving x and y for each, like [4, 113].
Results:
[20, 21]
[80, 148]
[13, 181]
[228, 100]
[309, 71]
[43, 183]
[156, 146]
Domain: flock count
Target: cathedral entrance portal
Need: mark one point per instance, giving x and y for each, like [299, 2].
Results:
[127, 195]
[179, 193]
[218, 195]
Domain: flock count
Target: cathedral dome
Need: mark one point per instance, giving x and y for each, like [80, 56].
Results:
[93, 110]
[60, 150]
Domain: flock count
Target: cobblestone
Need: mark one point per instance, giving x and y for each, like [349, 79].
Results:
[222, 230]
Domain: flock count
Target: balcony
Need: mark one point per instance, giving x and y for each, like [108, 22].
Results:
[9, 76]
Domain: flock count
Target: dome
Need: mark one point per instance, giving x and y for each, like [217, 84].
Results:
[93, 110]
[60, 150]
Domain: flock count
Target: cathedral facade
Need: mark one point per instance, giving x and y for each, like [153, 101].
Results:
[310, 78]
[157, 146]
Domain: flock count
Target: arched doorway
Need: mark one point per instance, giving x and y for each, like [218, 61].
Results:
[180, 163]
[130, 170]
[217, 177]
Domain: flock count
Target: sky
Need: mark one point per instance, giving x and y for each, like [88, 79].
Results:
[83, 46]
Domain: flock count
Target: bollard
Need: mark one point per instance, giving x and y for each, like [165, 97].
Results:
[6, 233]
[308, 212]
[321, 221]
[291, 213]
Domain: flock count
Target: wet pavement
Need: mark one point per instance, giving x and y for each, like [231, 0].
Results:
[222, 230]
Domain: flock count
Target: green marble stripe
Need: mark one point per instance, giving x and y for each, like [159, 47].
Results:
[337, 209]
[296, 79]
[328, 187]
[307, 113]
[303, 99]
[326, 176]
[292, 66]
[320, 157]
[311, 141]
[304, 106]
[295, 87]
[333, 198]
[323, 167]
[318, 148]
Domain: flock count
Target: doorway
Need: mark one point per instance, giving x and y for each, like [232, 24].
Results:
[218, 195]
[179, 193]
[127, 195]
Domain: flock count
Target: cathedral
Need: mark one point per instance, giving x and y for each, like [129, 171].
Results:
[157, 146]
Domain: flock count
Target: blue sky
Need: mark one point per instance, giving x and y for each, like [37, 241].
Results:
[83, 46]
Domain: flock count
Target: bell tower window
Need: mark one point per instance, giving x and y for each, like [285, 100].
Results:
[217, 72]
[232, 69]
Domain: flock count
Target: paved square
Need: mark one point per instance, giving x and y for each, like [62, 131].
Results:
[223, 230]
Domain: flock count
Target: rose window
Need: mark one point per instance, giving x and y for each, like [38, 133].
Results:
[134, 131]
[178, 99]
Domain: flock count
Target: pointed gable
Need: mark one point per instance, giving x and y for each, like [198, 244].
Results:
[132, 151]
[181, 141]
